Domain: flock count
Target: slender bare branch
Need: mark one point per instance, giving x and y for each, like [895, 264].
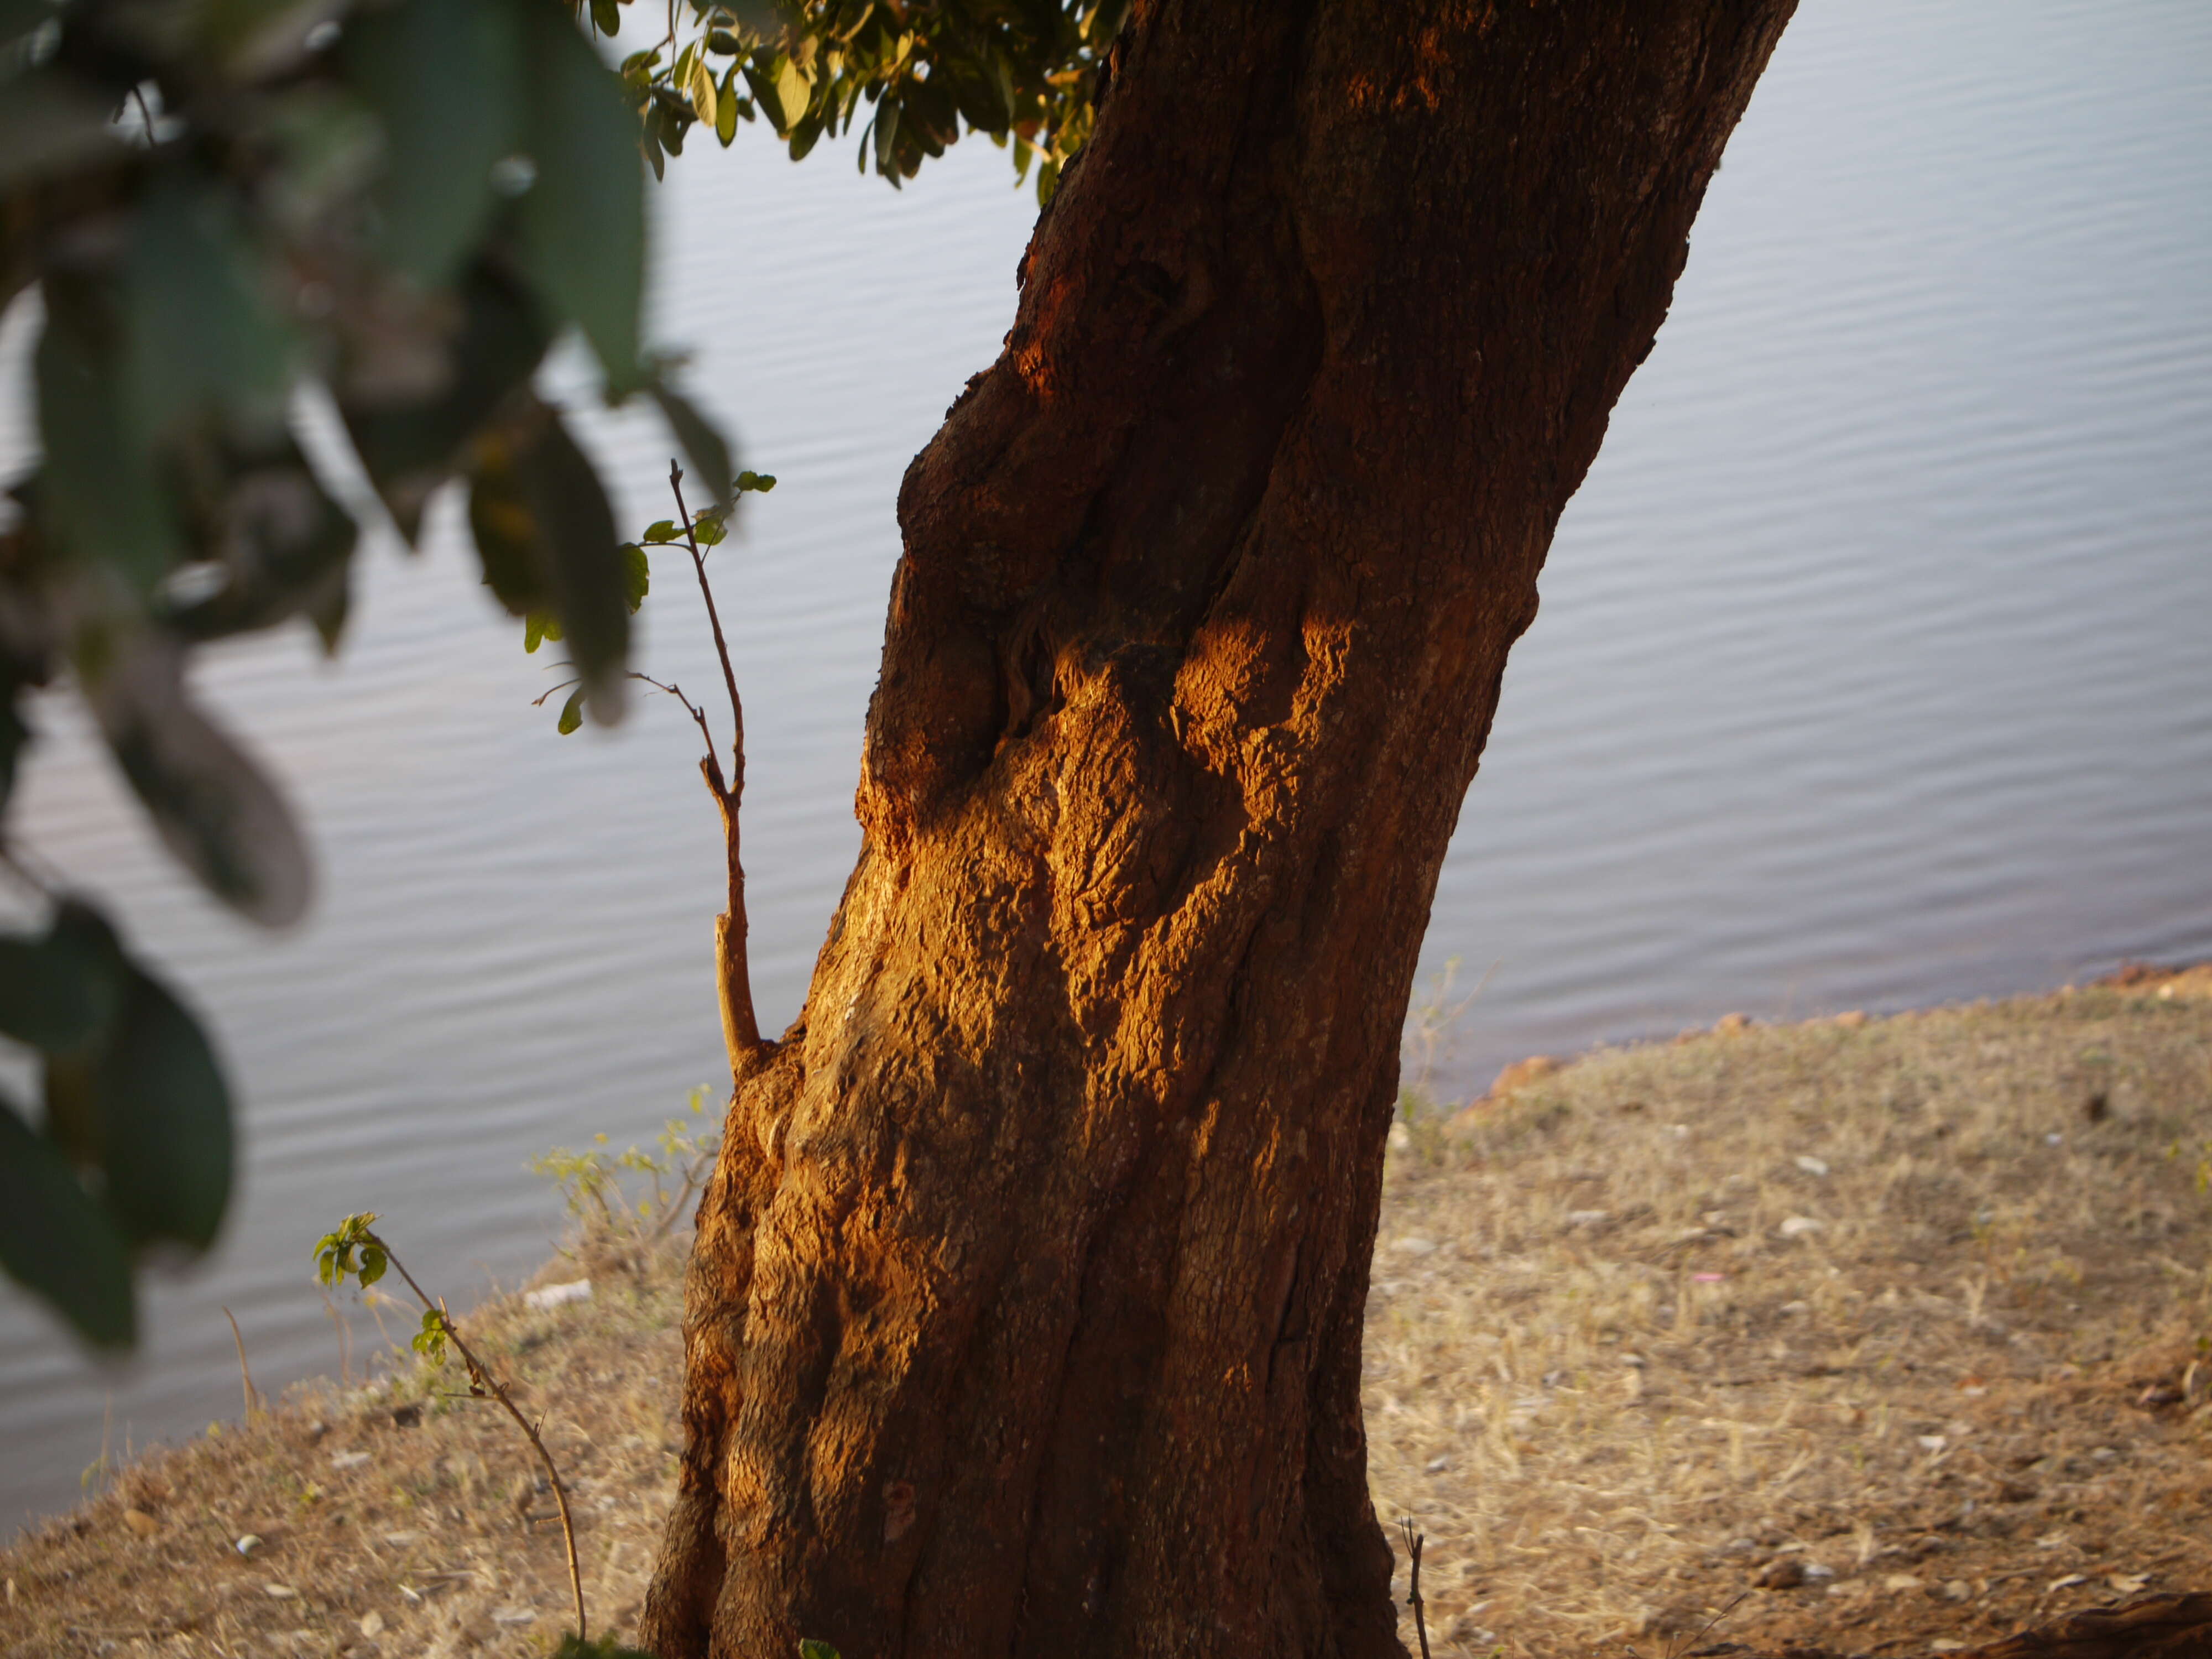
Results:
[710, 767]
[740, 1025]
[715, 620]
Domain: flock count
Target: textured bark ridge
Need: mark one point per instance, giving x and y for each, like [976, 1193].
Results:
[1025, 1316]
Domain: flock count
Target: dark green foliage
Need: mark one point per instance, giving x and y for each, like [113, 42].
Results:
[913, 75]
[165, 1113]
[56, 1241]
[574, 1647]
[222, 205]
[136, 1142]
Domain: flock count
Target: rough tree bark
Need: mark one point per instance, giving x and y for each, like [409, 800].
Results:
[1025, 1313]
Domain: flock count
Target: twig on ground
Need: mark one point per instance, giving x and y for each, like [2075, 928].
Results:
[1699, 1640]
[245, 1377]
[1414, 1581]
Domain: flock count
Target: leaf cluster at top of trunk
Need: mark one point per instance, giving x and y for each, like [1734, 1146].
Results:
[911, 73]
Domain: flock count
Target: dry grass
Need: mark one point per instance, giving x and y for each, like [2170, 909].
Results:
[1619, 1379]
[1601, 1382]
[391, 1519]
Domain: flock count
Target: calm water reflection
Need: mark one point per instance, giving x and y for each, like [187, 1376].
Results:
[1872, 669]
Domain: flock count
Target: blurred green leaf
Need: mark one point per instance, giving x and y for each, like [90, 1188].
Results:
[252, 38]
[792, 92]
[55, 1241]
[700, 86]
[216, 812]
[165, 1110]
[813, 1650]
[50, 125]
[571, 712]
[509, 544]
[63, 991]
[606, 17]
[14, 737]
[445, 78]
[546, 537]
[887, 126]
[662, 531]
[409, 448]
[281, 546]
[727, 109]
[203, 338]
[637, 575]
[98, 497]
[762, 19]
[72, 1107]
[705, 447]
[330, 607]
[583, 220]
[17, 19]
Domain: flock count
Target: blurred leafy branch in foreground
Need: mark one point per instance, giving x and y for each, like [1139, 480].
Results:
[228, 221]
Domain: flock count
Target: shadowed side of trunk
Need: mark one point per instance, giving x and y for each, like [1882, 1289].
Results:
[1024, 1315]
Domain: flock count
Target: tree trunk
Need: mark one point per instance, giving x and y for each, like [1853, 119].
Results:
[1025, 1314]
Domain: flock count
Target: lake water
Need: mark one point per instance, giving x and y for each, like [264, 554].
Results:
[1875, 669]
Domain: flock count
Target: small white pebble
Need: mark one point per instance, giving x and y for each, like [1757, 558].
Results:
[553, 1296]
[1811, 1165]
[248, 1544]
[1798, 1226]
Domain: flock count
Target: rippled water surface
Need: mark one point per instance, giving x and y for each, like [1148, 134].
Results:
[1874, 667]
